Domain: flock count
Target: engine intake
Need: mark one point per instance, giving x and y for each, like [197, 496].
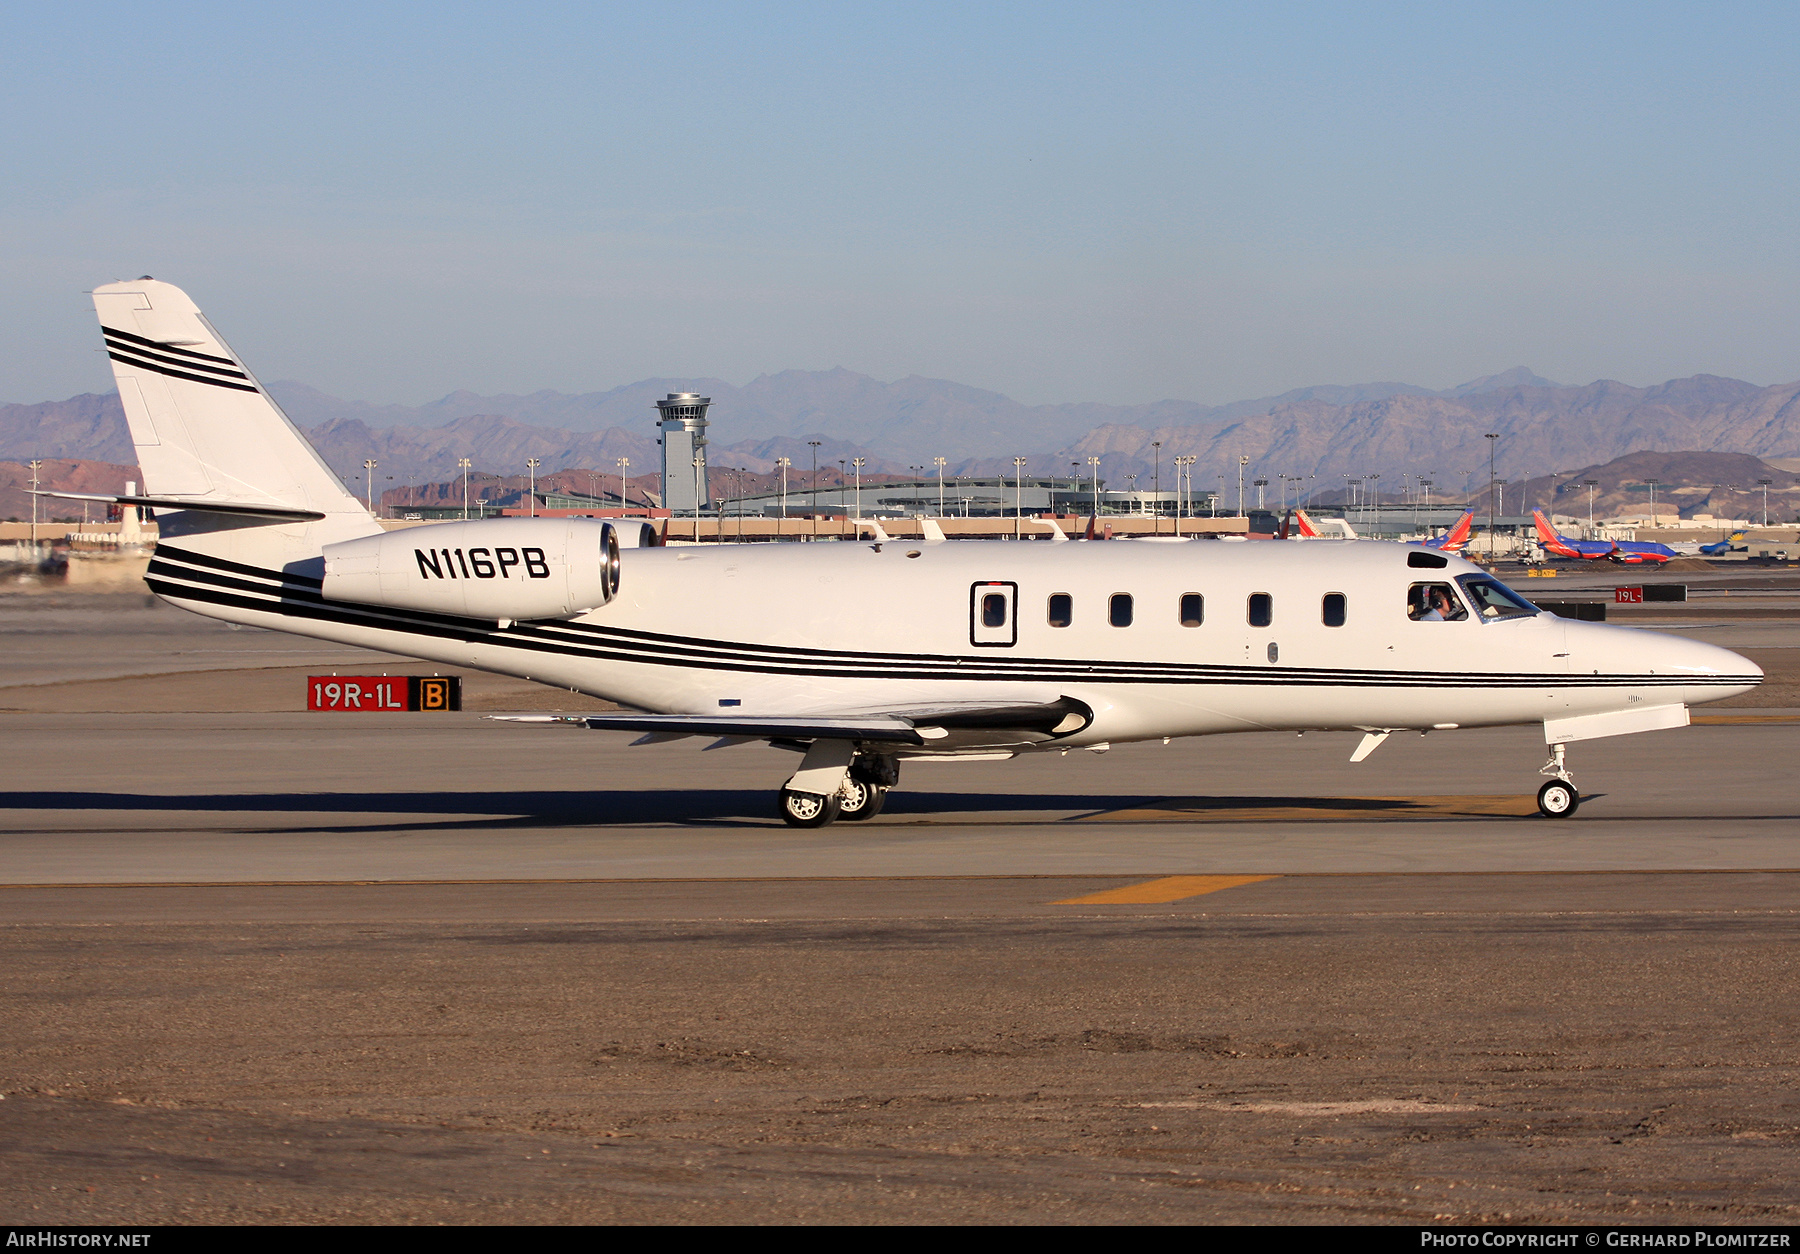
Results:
[498, 568]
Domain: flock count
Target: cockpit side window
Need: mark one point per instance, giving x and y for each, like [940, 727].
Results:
[1434, 603]
[1493, 600]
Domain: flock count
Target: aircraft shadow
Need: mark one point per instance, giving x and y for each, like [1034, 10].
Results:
[433, 811]
[598, 808]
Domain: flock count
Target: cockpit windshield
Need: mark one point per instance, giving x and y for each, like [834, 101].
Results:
[1493, 600]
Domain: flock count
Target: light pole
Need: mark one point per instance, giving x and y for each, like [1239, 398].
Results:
[1156, 484]
[531, 464]
[843, 484]
[814, 445]
[1590, 485]
[463, 465]
[1095, 463]
[36, 466]
[1492, 437]
[1018, 495]
[1375, 491]
[700, 505]
[1763, 483]
[1651, 484]
[1242, 462]
[1259, 485]
[939, 463]
[624, 465]
[369, 465]
[783, 463]
[858, 463]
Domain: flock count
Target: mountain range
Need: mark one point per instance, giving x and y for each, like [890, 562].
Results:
[1322, 433]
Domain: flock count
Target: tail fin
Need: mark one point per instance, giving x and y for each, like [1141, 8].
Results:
[1457, 536]
[1546, 532]
[1307, 528]
[206, 432]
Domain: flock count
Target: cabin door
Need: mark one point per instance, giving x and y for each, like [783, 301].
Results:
[994, 615]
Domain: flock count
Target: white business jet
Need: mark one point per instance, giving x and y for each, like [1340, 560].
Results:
[863, 655]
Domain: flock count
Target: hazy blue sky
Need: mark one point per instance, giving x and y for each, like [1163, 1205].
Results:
[1107, 202]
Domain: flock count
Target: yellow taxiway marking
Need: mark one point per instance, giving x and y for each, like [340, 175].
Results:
[1743, 718]
[1169, 888]
[1315, 809]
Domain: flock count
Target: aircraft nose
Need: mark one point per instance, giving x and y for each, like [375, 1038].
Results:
[1716, 673]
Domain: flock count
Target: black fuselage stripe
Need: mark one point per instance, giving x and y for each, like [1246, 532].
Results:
[236, 568]
[163, 347]
[304, 602]
[179, 374]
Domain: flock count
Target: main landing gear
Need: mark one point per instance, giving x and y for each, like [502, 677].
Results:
[1558, 798]
[861, 790]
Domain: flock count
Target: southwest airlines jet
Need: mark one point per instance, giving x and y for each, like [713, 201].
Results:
[1629, 552]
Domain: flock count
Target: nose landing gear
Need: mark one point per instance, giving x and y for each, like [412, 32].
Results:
[1558, 798]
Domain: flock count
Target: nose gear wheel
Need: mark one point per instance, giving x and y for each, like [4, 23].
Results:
[1557, 799]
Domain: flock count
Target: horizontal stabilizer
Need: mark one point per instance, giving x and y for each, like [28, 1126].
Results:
[271, 513]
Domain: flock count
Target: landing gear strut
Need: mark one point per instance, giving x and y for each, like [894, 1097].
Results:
[1558, 798]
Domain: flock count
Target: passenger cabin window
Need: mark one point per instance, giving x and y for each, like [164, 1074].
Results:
[1262, 609]
[1193, 609]
[1332, 611]
[1118, 610]
[1434, 603]
[1061, 611]
[994, 614]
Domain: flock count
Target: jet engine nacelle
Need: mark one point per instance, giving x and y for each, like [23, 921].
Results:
[499, 568]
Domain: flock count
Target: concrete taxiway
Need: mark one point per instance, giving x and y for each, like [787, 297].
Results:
[264, 965]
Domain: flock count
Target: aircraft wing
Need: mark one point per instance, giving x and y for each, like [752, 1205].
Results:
[874, 727]
[907, 725]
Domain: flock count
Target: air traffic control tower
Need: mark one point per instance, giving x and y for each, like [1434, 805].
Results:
[681, 421]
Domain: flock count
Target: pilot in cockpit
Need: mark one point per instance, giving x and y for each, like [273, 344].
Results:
[1433, 603]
